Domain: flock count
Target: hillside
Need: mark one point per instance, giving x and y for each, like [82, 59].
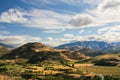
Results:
[85, 51]
[3, 50]
[38, 52]
[107, 60]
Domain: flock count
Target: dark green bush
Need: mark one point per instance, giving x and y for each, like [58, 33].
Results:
[103, 62]
[112, 77]
[97, 77]
[59, 77]
[3, 69]
[28, 76]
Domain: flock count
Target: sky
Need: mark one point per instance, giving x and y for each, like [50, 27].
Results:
[55, 22]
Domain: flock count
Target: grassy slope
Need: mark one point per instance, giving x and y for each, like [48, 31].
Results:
[102, 70]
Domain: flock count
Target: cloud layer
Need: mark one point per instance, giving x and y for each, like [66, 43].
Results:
[18, 40]
[107, 12]
[104, 13]
[13, 16]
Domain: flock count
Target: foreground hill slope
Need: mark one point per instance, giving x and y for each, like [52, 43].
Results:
[38, 52]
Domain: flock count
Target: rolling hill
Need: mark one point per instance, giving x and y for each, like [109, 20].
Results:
[38, 52]
[107, 60]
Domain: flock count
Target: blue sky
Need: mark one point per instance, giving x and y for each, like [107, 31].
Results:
[56, 22]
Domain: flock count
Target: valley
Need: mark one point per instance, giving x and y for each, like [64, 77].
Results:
[36, 61]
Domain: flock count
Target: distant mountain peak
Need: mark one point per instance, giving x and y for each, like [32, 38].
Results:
[95, 45]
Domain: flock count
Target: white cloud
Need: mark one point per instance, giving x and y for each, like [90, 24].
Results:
[68, 35]
[13, 16]
[49, 39]
[18, 40]
[37, 18]
[110, 34]
[92, 2]
[110, 4]
[57, 41]
[81, 31]
[108, 11]
[47, 19]
[81, 20]
[109, 29]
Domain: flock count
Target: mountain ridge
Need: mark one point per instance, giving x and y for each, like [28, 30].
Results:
[92, 48]
[87, 44]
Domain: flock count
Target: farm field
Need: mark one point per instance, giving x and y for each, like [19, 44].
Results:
[47, 70]
[101, 70]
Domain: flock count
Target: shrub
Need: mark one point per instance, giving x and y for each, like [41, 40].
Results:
[3, 69]
[112, 77]
[103, 62]
[86, 78]
[59, 77]
[108, 77]
[28, 76]
[96, 77]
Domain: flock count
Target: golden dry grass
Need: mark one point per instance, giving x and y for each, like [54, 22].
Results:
[109, 56]
[4, 77]
[101, 70]
[82, 65]
[75, 75]
[68, 59]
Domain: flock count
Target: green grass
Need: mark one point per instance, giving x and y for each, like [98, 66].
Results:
[11, 67]
[102, 70]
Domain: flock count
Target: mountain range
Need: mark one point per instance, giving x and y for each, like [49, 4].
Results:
[6, 46]
[92, 47]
